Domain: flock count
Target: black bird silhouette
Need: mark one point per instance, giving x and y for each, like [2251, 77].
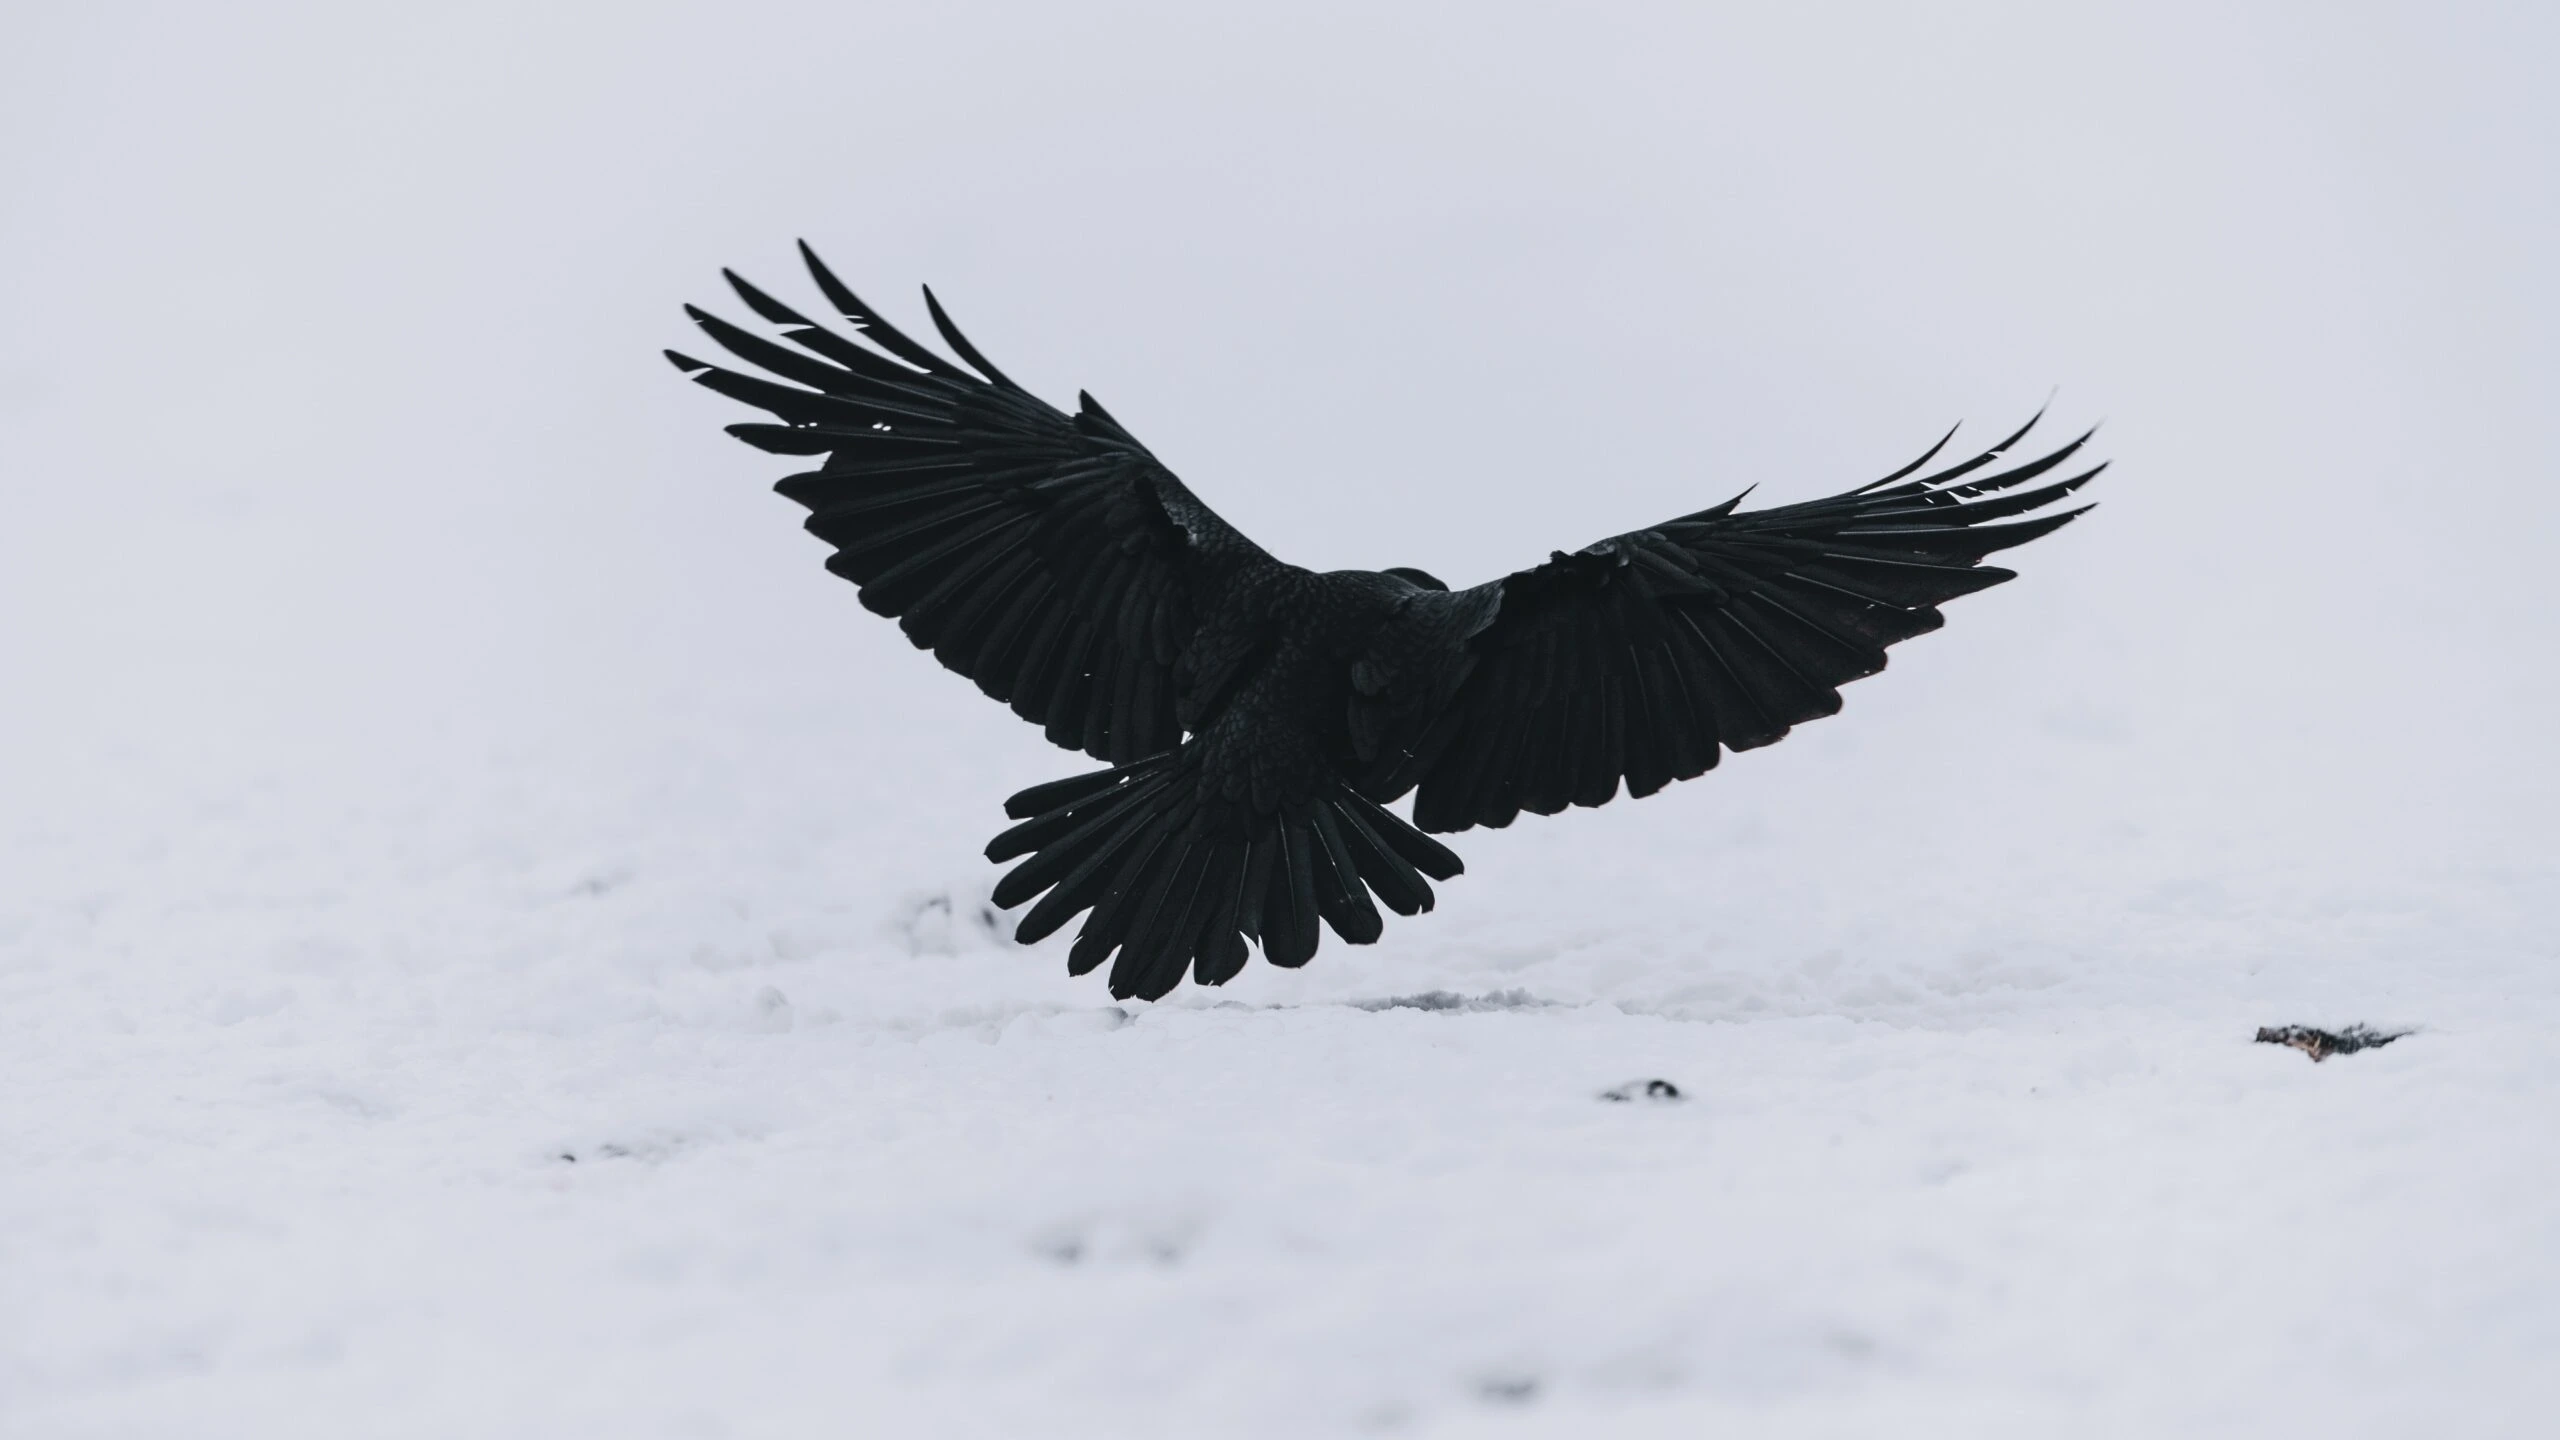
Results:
[1258, 716]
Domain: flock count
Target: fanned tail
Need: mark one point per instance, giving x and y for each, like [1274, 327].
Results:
[1177, 880]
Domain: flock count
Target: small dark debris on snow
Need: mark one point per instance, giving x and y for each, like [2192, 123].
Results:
[636, 1150]
[602, 882]
[1451, 1000]
[2321, 1044]
[1508, 1389]
[1658, 1091]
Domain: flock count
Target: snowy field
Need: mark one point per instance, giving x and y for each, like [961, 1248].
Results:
[492, 937]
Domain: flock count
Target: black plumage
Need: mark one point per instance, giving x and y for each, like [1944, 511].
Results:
[1258, 717]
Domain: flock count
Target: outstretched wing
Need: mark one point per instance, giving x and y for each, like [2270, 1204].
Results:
[1637, 658]
[1049, 558]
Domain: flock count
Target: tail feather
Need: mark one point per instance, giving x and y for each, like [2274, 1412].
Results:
[1222, 949]
[1253, 897]
[1158, 947]
[1056, 834]
[1340, 896]
[1109, 924]
[1083, 886]
[1392, 876]
[1289, 933]
[1417, 849]
[1062, 795]
[1173, 882]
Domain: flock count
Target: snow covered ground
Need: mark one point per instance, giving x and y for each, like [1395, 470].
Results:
[492, 940]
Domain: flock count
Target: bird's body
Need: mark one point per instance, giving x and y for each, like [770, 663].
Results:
[1258, 716]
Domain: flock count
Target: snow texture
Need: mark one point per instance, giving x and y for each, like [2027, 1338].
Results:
[492, 941]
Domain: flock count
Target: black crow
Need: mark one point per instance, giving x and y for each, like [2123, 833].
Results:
[1258, 717]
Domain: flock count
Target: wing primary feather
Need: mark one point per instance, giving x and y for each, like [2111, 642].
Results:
[2020, 475]
[867, 321]
[1973, 542]
[780, 439]
[1718, 512]
[1954, 472]
[1925, 457]
[1090, 416]
[1975, 511]
[960, 345]
[875, 368]
[795, 366]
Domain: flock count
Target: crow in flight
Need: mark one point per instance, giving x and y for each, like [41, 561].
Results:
[1258, 717]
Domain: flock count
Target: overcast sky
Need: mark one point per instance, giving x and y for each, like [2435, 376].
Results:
[333, 434]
